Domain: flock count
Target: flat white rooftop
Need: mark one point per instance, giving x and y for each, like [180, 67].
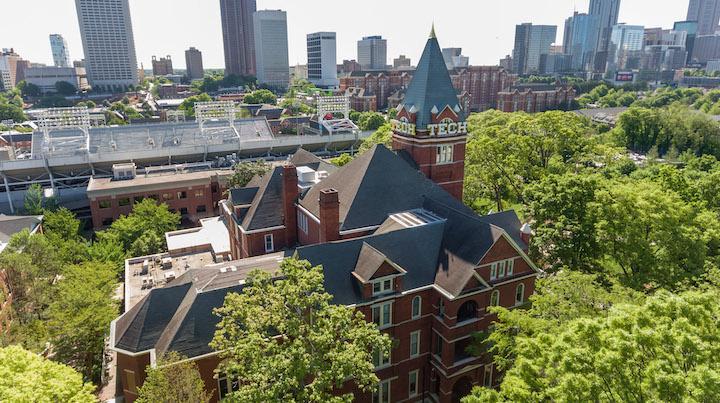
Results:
[212, 231]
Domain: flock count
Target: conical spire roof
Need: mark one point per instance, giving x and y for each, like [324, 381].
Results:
[431, 87]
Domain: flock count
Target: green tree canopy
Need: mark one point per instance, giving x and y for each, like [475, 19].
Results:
[28, 377]
[188, 105]
[243, 172]
[383, 135]
[148, 217]
[260, 97]
[65, 88]
[662, 350]
[322, 345]
[173, 380]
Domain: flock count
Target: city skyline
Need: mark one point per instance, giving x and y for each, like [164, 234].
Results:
[197, 23]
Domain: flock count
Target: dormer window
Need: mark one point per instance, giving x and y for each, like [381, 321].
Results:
[502, 269]
[382, 287]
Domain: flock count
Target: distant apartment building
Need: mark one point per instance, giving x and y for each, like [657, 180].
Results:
[46, 77]
[607, 12]
[194, 195]
[401, 62]
[162, 66]
[531, 43]
[238, 36]
[271, 48]
[322, 59]
[348, 66]
[108, 43]
[299, 72]
[60, 53]
[372, 53]
[11, 68]
[690, 29]
[706, 48]
[534, 98]
[707, 15]
[194, 64]
[626, 47]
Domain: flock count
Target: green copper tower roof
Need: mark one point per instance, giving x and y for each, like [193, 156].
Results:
[431, 89]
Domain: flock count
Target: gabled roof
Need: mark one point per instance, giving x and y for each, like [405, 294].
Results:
[301, 157]
[375, 185]
[369, 261]
[243, 196]
[431, 86]
[11, 225]
[266, 209]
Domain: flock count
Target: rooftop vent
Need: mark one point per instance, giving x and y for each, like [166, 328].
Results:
[124, 171]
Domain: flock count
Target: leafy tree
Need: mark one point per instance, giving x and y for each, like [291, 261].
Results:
[342, 160]
[147, 216]
[392, 113]
[28, 377]
[382, 135]
[243, 172]
[188, 105]
[322, 345]
[80, 315]
[261, 97]
[10, 110]
[61, 224]
[28, 89]
[565, 215]
[173, 380]
[662, 350]
[65, 88]
[370, 121]
[33, 203]
[109, 250]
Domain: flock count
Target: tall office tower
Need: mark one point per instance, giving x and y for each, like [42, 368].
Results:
[108, 43]
[607, 12]
[372, 53]
[271, 48]
[584, 37]
[59, 47]
[690, 28]
[9, 68]
[531, 43]
[194, 64]
[707, 15]
[626, 46]
[567, 33]
[162, 66]
[322, 59]
[238, 36]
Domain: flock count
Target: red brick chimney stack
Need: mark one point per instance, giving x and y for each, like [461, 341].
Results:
[290, 194]
[329, 215]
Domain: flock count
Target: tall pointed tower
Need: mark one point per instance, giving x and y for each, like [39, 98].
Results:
[430, 124]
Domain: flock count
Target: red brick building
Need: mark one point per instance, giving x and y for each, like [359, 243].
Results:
[536, 98]
[194, 195]
[394, 240]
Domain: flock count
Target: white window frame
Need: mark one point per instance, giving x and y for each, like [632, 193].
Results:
[510, 265]
[272, 243]
[302, 222]
[487, 376]
[418, 300]
[381, 314]
[492, 296]
[444, 154]
[377, 396]
[414, 392]
[501, 269]
[228, 383]
[415, 353]
[384, 286]
[521, 290]
[381, 361]
[493, 271]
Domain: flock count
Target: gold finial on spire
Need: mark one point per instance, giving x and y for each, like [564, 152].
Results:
[432, 31]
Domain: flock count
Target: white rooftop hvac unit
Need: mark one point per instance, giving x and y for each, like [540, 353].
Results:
[124, 171]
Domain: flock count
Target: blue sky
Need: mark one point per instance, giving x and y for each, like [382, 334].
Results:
[483, 28]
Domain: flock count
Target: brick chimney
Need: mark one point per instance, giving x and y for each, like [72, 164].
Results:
[526, 233]
[329, 215]
[290, 193]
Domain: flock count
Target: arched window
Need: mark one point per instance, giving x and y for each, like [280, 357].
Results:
[467, 311]
[495, 298]
[416, 310]
[520, 294]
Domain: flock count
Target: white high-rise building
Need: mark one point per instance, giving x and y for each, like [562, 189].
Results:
[322, 59]
[108, 43]
[625, 49]
[271, 48]
[372, 53]
[59, 47]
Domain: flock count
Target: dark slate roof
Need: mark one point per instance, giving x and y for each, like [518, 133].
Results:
[375, 185]
[431, 85]
[415, 249]
[266, 210]
[302, 157]
[11, 225]
[243, 196]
